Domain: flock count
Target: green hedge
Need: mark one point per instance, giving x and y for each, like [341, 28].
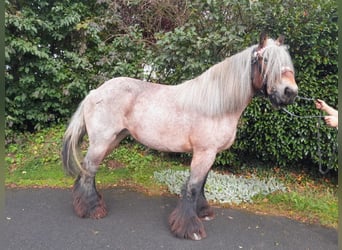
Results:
[44, 72]
[310, 30]
[57, 52]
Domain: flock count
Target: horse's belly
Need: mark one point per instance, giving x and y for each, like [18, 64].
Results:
[161, 138]
[165, 144]
[160, 128]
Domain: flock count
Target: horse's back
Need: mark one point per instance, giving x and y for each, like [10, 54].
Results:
[116, 91]
[125, 84]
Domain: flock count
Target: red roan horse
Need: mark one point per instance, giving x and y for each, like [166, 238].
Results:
[198, 116]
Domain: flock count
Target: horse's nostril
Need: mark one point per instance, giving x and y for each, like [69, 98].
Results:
[289, 92]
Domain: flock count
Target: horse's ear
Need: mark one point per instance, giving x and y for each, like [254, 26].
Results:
[263, 40]
[280, 40]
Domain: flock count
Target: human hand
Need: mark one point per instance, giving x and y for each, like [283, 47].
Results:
[320, 104]
[331, 121]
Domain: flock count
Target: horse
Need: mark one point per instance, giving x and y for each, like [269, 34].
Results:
[199, 116]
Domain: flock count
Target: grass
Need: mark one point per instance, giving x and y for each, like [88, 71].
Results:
[304, 206]
[34, 161]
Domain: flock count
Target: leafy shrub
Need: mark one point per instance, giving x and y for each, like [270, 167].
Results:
[222, 188]
[217, 29]
[43, 67]
[311, 31]
[57, 52]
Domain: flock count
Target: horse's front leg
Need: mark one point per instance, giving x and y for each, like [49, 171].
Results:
[204, 210]
[184, 220]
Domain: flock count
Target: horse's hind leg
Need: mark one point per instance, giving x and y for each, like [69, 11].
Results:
[87, 201]
[184, 220]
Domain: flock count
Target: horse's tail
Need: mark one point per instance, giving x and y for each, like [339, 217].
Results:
[71, 152]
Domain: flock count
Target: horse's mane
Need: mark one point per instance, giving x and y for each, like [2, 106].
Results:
[226, 86]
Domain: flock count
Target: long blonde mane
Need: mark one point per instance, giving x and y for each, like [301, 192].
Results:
[226, 87]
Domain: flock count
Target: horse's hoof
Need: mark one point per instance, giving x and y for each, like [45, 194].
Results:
[90, 206]
[207, 218]
[196, 236]
[187, 228]
[201, 234]
[98, 213]
[206, 214]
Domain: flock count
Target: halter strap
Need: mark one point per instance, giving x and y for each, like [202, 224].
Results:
[285, 69]
[256, 55]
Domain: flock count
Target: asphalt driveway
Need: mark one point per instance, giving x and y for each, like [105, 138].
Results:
[43, 219]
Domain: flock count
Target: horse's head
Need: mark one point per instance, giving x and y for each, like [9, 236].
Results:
[273, 72]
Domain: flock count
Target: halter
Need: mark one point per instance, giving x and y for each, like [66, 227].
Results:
[256, 56]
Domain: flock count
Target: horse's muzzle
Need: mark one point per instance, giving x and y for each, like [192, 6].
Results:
[283, 98]
[290, 93]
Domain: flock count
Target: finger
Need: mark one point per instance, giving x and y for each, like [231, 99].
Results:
[318, 105]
